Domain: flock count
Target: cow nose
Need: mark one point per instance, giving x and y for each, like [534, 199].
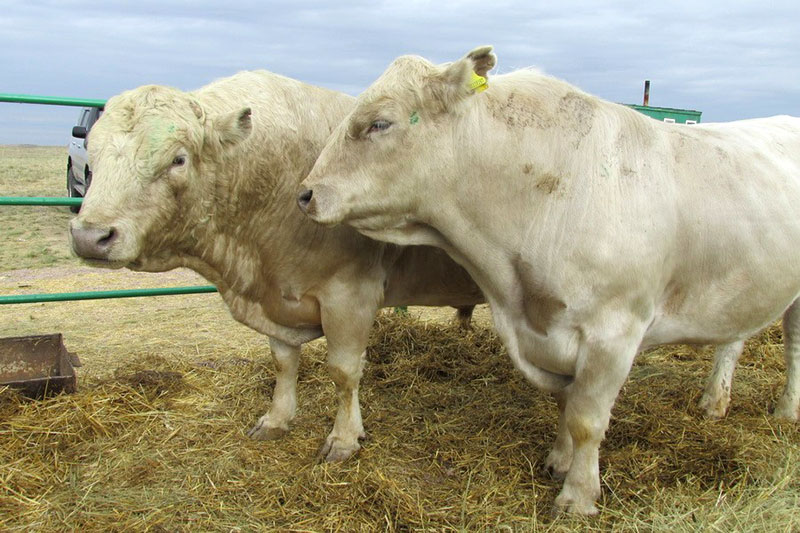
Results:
[93, 243]
[304, 198]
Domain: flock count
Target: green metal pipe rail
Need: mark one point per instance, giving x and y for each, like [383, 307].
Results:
[50, 100]
[45, 201]
[38, 200]
[100, 295]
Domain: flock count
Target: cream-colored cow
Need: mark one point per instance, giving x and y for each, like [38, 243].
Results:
[594, 231]
[207, 180]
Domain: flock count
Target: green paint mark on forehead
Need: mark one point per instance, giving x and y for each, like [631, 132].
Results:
[414, 118]
[159, 139]
[159, 134]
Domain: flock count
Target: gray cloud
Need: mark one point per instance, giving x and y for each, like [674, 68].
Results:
[729, 59]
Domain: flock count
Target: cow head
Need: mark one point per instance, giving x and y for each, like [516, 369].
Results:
[153, 156]
[396, 146]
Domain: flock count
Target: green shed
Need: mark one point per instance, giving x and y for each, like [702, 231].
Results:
[669, 114]
[665, 114]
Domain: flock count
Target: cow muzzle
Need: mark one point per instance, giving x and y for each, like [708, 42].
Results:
[321, 204]
[93, 242]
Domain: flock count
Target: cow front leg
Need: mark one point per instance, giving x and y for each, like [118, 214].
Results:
[342, 442]
[275, 423]
[717, 396]
[587, 411]
[347, 335]
[787, 407]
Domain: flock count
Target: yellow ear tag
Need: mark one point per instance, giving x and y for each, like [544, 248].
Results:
[478, 83]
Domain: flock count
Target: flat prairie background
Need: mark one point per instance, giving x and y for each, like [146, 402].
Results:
[155, 437]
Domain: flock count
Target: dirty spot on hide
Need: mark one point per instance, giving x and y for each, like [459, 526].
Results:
[519, 111]
[540, 303]
[548, 183]
[527, 168]
[580, 428]
[576, 112]
[722, 156]
[675, 299]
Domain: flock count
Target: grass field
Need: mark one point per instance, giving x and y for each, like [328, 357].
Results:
[33, 236]
[154, 439]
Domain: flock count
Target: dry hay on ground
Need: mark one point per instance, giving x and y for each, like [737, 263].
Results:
[456, 442]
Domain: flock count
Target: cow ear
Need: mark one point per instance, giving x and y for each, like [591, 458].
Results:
[233, 128]
[198, 110]
[482, 60]
[467, 76]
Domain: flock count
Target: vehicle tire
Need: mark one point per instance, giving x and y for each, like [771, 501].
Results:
[71, 190]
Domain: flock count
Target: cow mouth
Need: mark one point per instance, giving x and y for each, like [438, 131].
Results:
[327, 221]
[135, 265]
[105, 263]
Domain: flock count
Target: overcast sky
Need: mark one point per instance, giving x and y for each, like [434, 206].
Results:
[728, 59]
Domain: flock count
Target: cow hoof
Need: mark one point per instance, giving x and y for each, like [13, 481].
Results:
[262, 432]
[715, 407]
[569, 505]
[336, 451]
[786, 412]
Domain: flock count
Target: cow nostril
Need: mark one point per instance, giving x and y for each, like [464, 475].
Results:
[108, 238]
[304, 198]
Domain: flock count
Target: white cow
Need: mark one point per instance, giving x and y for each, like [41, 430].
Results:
[594, 231]
[207, 180]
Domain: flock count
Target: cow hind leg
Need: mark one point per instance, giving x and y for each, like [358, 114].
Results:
[787, 407]
[717, 396]
[463, 317]
[275, 423]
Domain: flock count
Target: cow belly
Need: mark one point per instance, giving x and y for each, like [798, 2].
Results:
[423, 275]
[712, 319]
[678, 330]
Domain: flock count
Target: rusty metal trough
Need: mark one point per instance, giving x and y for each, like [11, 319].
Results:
[37, 364]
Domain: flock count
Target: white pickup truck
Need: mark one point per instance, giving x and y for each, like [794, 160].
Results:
[79, 177]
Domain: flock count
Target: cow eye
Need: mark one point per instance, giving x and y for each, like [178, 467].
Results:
[179, 161]
[379, 125]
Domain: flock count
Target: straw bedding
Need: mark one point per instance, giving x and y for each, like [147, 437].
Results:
[456, 441]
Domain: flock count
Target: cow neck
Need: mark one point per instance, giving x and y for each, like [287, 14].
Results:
[244, 225]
